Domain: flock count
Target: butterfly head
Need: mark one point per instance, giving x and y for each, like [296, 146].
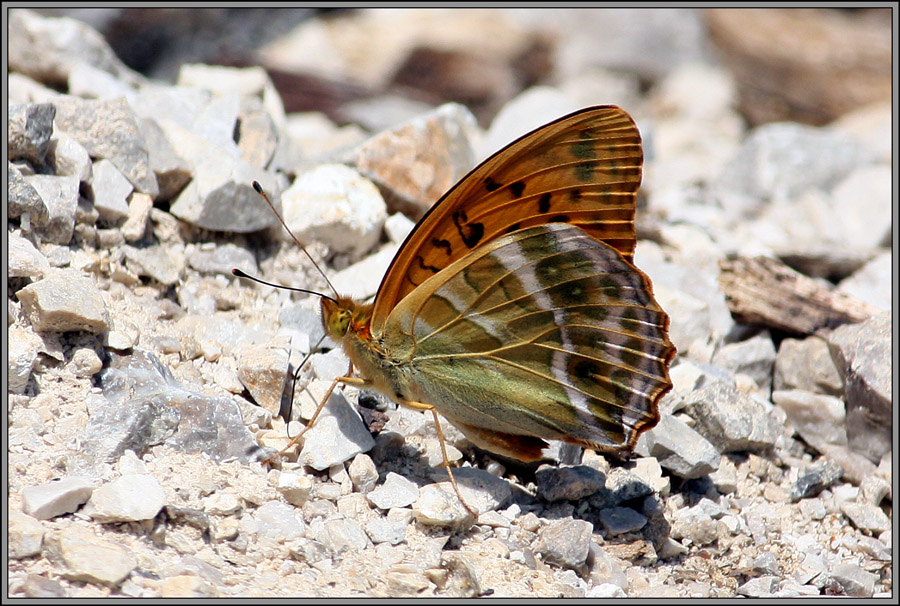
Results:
[343, 315]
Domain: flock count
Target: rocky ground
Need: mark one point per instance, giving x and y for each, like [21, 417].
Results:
[145, 381]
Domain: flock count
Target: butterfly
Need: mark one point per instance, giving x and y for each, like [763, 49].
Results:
[513, 307]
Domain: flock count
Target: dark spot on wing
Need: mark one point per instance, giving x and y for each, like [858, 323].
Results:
[491, 185]
[430, 268]
[471, 233]
[544, 203]
[443, 245]
[517, 188]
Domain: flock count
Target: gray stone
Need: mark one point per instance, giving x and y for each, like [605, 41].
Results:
[164, 263]
[818, 419]
[21, 356]
[171, 170]
[295, 488]
[807, 365]
[263, 370]
[731, 420]
[340, 535]
[568, 483]
[109, 129]
[760, 587]
[438, 505]
[873, 490]
[866, 517]
[63, 301]
[279, 521]
[86, 557]
[766, 564]
[862, 353]
[813, 509]
[306, 550]
[783, 159]
[221, 259]
[814, 479]
[711, 508]
[861, 203]
[327, 366]
[60, 198]
[695, 524]
[252, 82]
[24, 199]
[363, 473]
[36, 586]
[258, 135]
[874, 548]
[605, 569]
[90, 82]
[725, 477]
[855, 581]
[135, 226]
[47, 49]
[216, 120]
[406, 582]
[110, 191]
[220, 196]
[69, 158]
[334, 204]
[128, 498]
[481, 490]
[397, 227]
[856, 467]
[606, 590]
[29, 130]
[382, 530]
[396, 491]
[381, 112]
[26, 535]
[619, 520]
[565, 543]
[754, 357]
[678, 448]
[338, 435]
[143, 405]
[56, 498]
[464, 579]
[873, 282]
[620, 486]
[361, 280]
[303, 318]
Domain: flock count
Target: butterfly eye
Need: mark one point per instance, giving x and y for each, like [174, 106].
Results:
[336, 319]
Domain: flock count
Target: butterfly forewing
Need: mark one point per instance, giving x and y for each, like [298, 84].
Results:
[583, 169]
[545, 332]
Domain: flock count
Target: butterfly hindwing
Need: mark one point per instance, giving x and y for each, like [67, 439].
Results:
[545, 333]
[583, 169]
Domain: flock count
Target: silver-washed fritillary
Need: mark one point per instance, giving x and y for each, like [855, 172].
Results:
[513, 308]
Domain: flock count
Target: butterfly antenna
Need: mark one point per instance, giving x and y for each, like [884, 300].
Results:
[262, 193]
[242, 274]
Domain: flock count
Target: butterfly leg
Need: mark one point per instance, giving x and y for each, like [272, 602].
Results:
[437, 425]
[345, 380]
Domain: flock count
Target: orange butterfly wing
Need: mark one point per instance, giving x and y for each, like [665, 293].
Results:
[583, 169]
